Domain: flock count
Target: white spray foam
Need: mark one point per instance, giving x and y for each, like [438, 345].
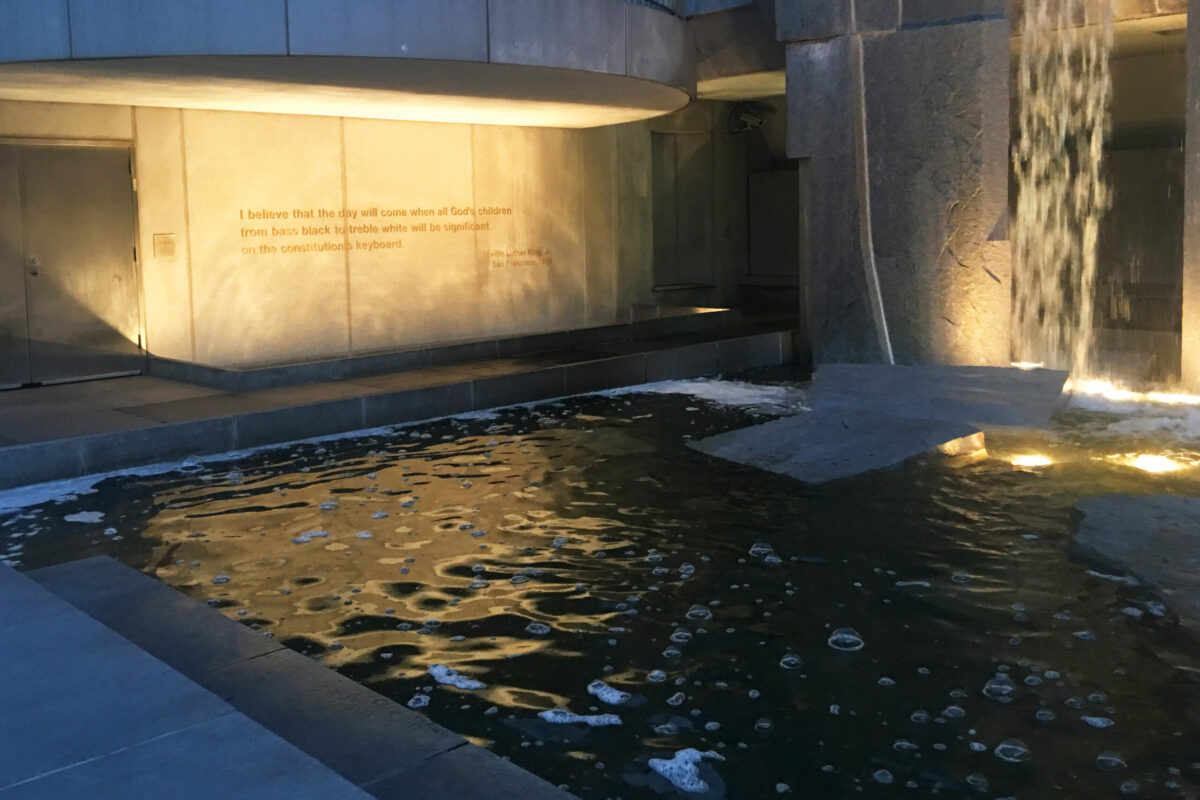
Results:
[776, 399]
[448, 677]
[607, 694]
[90, 517]
[683, 769]
[560, 716]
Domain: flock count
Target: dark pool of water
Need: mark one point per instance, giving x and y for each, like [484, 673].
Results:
[592, 518]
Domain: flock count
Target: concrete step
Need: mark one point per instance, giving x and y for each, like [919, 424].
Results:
[57, 432]
[87, 713]
[386, 750]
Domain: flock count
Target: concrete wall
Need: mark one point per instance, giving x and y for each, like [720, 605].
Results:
[934, 91]
[265, 238]
[1190, 352]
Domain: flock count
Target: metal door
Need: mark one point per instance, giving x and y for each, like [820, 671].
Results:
[76, 237]
[14, 328]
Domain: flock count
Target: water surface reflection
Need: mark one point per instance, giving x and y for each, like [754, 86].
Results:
[540, 551]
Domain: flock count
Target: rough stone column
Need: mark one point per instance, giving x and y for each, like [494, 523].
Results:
[1190, 360]
[936, 79]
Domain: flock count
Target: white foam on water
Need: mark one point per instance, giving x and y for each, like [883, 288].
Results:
[90, 517]
[560, 716]
[776, 399]
[683, 769]
[448, 677]
[607, 694]
[1172, 414]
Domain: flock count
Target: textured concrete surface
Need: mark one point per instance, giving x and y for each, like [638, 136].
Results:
[1156, 539]
[821, 109]
[867, 417]
[983, 396]
[89, 714]
[936, 106]
[390, 751]
[939, 143]
[1190, 361]
[802, 20]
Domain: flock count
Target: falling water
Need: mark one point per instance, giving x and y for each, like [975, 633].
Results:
[1065, 88]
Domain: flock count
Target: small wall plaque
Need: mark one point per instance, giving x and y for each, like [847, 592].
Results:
[164, 245]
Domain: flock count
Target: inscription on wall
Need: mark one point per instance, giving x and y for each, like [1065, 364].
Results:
[295, 231]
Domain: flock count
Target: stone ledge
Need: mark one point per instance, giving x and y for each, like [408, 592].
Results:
[373, 742]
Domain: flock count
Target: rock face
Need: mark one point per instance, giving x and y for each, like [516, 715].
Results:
[1156, 539]
[935, 94]
[867, 417]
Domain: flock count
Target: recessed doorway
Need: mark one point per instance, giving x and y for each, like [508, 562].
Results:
[68, 276]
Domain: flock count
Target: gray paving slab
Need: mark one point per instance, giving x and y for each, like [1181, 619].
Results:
[229, 756]
[65, 420]
[1154, 538]
[216, 405]
[363, 736]
[419, 379]
[824, 446]
[23, 602]
[136, 390]
[89, 714]
[466, 773]
[865, 417]
[74, 691]
[312, 393]
[358, 733]
[165, 623]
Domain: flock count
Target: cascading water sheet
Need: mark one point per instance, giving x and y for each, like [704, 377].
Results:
[1064, 96]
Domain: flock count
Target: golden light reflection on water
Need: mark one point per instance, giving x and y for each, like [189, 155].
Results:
[1030, 460]
[1147, 462]
[410, 557]
[1114, 392]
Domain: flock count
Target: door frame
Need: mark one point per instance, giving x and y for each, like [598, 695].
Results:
[129, 146]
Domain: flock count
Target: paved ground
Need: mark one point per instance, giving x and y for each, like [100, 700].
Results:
[867, 417]
[116, 685]
[55, 432]
[88, 714]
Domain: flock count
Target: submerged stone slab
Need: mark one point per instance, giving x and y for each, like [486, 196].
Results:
[867, 416]
[819, 447]
[1155, 539]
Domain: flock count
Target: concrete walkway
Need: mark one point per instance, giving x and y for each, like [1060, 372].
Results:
[88, 714]
[116, 685]
[67, 431]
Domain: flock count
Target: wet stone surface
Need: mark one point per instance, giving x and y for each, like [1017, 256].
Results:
[572, 587]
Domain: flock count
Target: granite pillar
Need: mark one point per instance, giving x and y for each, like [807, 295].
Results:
[934, 90]
[1190, 352]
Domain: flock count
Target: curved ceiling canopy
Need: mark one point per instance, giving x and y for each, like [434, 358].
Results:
[380, 88]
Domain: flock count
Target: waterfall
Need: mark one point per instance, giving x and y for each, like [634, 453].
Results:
[1064, 97]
